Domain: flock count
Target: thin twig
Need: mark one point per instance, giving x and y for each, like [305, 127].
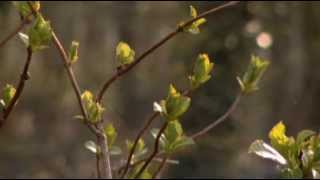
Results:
[158, 172]
[155, 150]
[140, 134]
[23, 78]
[106, 169]
[179, 29]
[220, 120]
[23, 22]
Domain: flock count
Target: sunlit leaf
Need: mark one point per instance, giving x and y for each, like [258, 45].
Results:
[264, 150]
[91, 146]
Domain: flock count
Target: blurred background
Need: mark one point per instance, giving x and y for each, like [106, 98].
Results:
[42, 140]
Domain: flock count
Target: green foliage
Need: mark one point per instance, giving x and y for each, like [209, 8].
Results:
[124, 54]
[173, 139]
[111, 134]
[73, 52]
[194, 27]
[251, 78]
[40, 34]
[299, 158]
[174, 106]
[8, 93]
[94, 109]
[201, 71]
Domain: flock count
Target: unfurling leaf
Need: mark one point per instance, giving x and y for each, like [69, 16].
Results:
[24, 38]
[201, 71]
[264, 150]
[194, 27]
[91, 146]
[173, 131]
[7, 94]
[73, 52]
[40, 34]
[175, 105]
[94, 109]
[124, 54]
[303, 135]
[249, 82]
[111, 134]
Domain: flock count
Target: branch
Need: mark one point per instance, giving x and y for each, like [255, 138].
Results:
[155, 150]
[121, 72]
[23, 22]
[23, 78]
[220, 120]
[157, 174]
[147, 123]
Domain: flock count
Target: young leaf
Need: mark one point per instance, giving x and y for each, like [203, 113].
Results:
[94, 109]
[307, 158]
[255, 71]
[163, 139]
[176, 104]
[303, 135]
[173, 131]
[24, 38]
[111, 134]
[91, 146]
[181, 143]
[7, 94]
[124, 54]
[194, 27]
[40, 34]
[201, 71]
[264, 150]
[73, 52]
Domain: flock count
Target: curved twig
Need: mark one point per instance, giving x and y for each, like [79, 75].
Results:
[121, 72]
[23, 78]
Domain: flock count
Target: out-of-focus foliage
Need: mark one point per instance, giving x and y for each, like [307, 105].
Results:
[41, 140]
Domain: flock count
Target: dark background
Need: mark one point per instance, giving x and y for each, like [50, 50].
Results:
[41, 140]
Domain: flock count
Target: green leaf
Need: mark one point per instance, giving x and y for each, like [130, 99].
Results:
[7, 94]
[92, 147]
[94, 109]
[173, 131]
[40, 34]
[303, 135]
[201, 71]
[176, 104]
[264, 150]
[124, 54]
[194, 27]
[181, 143]
[255, 71]
[24, 38]
[111, 134]
[73, 52]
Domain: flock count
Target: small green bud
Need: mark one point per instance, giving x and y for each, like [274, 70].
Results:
[201, 71]
[40, 34]
[8, 93]
[175, 105]
[94, 109]
[111, 134]
[73, 52]
[124, 54]
[194, 27]
[255, 71]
